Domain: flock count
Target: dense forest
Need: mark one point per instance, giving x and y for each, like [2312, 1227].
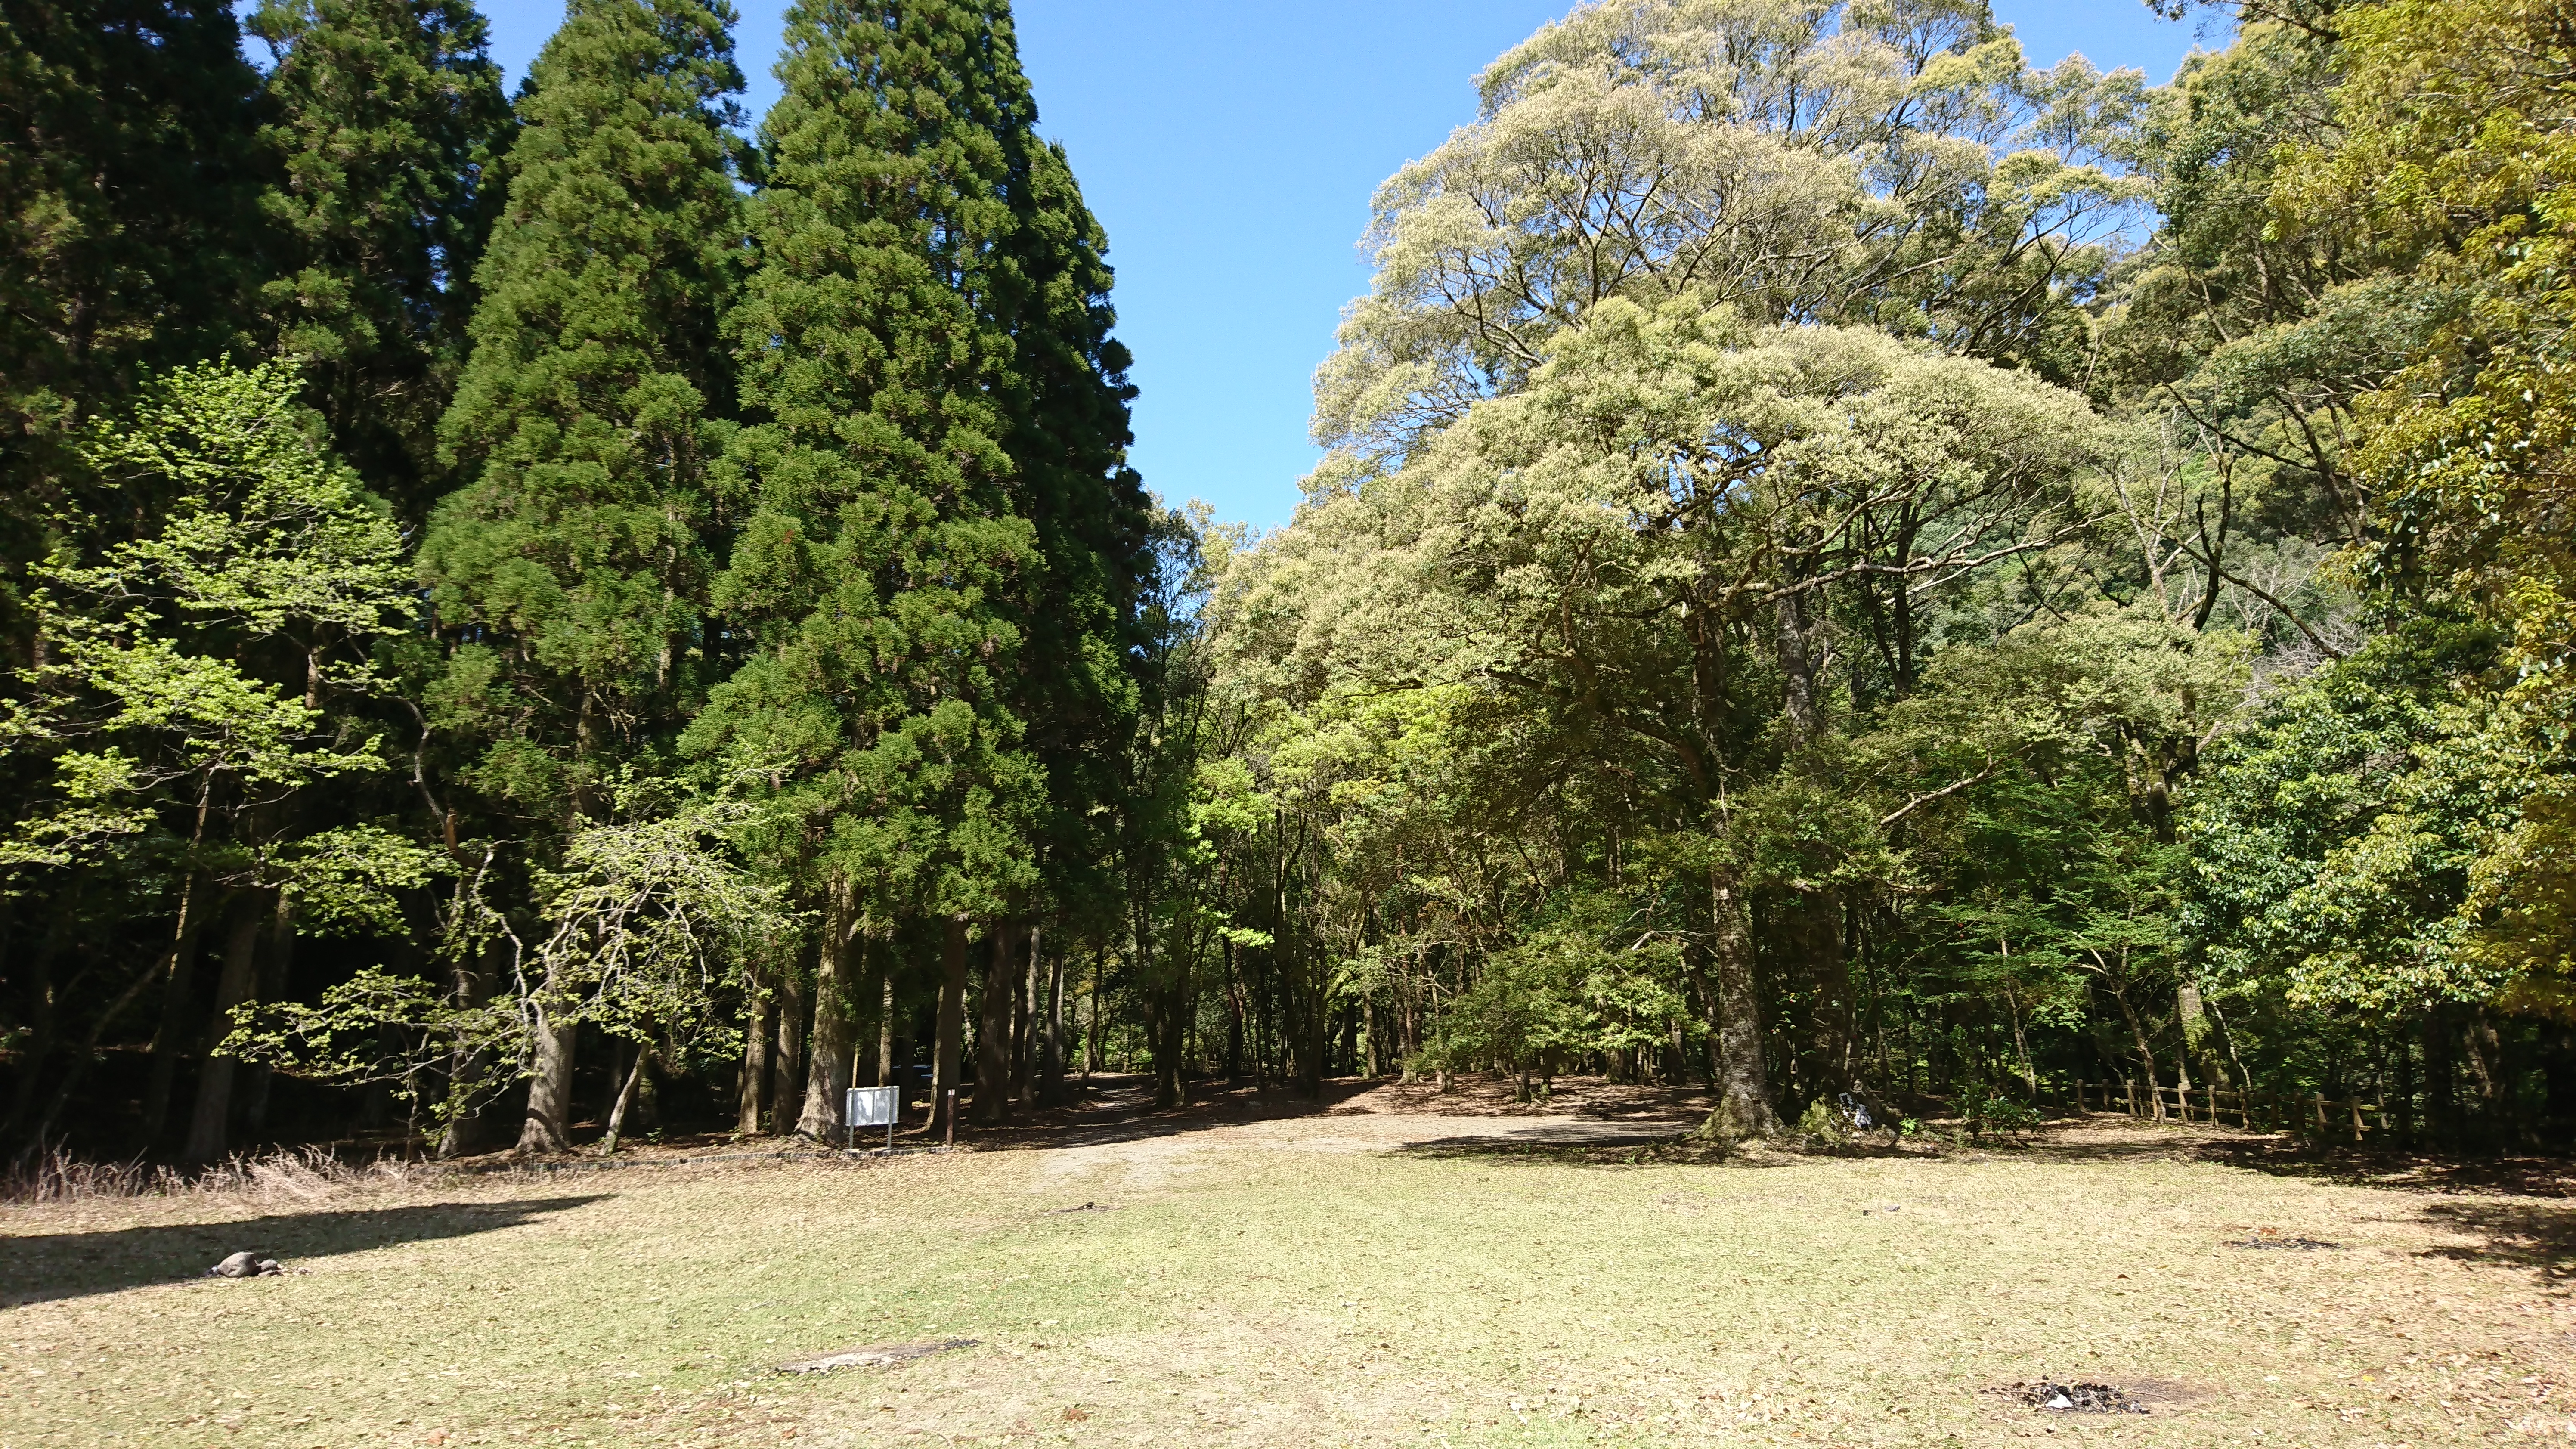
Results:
[1848, 569]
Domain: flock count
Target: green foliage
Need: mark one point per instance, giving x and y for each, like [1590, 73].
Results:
[650, 918]
[574, 567]
[148, 697]
[646, 926]
[351, 879]
[1824, 1122]
[1889, 166]
[388, 118]
[128, 234]
[879, 556]
[1987, 1111]
[2334, 841]
[1582, 981]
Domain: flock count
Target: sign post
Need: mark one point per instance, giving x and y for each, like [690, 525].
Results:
[872, 1107]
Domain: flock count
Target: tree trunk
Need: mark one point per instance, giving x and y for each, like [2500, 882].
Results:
[174, 1009]
[1744, 1106]
[1170, 1025]
[1031, 1009]
[759, 1025]
[646, 1110]
[548, 1126]
[885, 1025]
[612, 1082]
[276, 979]
[466, 1065]
[836, 1015]
[993, 1031]
[2021, 1048]
[1025, 1028]
[787, 1051]
[207, 1126]
[2485, 1057]
[2192, 1012]
[1051, 1086]
[1799, 666]
[625, 1099]
[1236, 1030]
[949, 1049]
[2146, 1052]
[1314, 1029]
[1818, 918]
[1091, 1038]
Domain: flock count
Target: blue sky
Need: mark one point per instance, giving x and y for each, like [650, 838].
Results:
[1231, 149]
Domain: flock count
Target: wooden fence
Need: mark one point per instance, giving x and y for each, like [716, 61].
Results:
[2310, 1114]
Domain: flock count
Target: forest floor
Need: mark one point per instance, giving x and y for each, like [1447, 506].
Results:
[1390, 1267]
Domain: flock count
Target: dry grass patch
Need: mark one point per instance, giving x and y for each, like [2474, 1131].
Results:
[1367, 1278]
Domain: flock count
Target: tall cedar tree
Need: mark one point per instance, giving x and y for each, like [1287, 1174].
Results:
[387, 116]
[879, 548]
[129, 184]
[571, 574]
[892, 569]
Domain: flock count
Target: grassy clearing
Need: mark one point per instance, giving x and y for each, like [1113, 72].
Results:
[1355, 1278]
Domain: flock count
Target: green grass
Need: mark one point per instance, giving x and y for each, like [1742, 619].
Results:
[1315, 1282]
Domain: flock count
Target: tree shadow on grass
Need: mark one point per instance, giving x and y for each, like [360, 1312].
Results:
[2520, 1176]
[2118, 1148]
[2536, 1235]
[1122, 1109]
[2519, 1209]
[1604, 1146]
[43, 1267]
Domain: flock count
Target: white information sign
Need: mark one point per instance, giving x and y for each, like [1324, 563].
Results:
[874, 1106]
